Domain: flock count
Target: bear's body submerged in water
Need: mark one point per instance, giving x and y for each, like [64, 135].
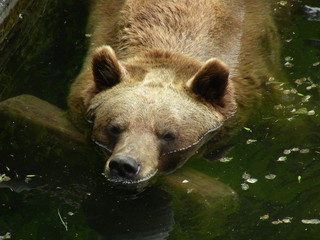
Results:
[163, 76]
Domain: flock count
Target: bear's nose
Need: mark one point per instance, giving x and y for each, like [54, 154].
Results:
[124, 166]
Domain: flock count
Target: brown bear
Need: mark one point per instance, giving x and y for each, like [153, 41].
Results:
[163, 76]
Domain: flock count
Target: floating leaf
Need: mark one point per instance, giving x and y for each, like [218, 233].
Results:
[278, 107]
[270, 176]
[310, 221]
[293, 91]
[225, 159]
[286, 92]
[30, 176]
[6, 236]
[252, 180]
[311, 86]
[283, 3]
[301, 111]
[276, 222]
[306, 150]
[244, 186]
[189, 190]
[287, 220]
[276, 82]
[264, 217]
[249, 141]
[247, 129]
[300, 81]
[287, 151]
[306, 98]
[311, 113]
[288, 58]
[246, 175]
[288, 65]
[282, 159]
[4, 178]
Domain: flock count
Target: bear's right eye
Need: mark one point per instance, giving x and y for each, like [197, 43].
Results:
[114, 130]
[168, 137]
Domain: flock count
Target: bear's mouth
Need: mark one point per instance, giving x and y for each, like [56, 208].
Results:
[125, 181]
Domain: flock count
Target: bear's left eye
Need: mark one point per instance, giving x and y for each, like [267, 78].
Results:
[114, 130]
[168, 137]
[90, 117]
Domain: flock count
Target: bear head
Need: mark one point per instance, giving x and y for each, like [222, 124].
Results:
[152, 112]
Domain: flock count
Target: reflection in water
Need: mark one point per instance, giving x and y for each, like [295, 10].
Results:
[147, 215]
[66, 179]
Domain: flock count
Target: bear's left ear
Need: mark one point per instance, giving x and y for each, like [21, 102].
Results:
[107, 70]
[210, 82]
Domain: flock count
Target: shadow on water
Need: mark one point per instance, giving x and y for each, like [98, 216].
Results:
[70, 199]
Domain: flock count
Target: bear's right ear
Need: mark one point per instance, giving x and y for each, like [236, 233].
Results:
[107, 70]
[211, 82]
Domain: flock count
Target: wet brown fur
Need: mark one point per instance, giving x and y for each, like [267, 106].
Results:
[170, 41]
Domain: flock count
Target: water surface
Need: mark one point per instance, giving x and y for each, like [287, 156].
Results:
[273, 165]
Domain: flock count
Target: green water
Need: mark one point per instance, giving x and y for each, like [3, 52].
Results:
[42, 58]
